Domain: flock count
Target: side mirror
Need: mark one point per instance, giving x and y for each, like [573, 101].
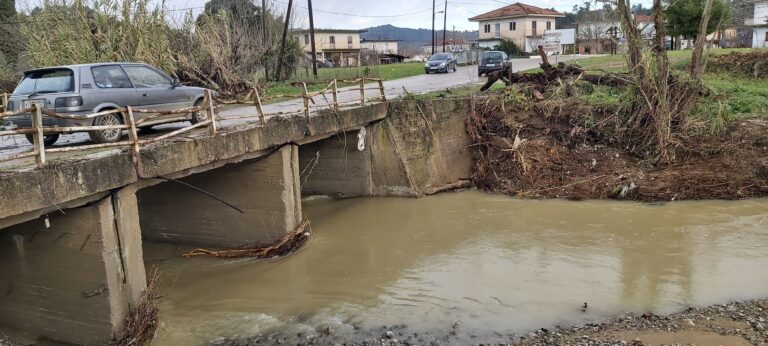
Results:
[174, 83]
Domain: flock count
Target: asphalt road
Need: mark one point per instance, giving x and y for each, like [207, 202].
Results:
[348, 96]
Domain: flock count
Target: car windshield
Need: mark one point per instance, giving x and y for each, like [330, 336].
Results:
[492, 56]
[439, 57]
[46, 81]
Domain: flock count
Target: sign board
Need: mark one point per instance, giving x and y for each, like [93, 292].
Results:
[551, 42]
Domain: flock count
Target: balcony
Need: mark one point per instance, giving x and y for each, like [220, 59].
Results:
[339, 46]
[756, 22]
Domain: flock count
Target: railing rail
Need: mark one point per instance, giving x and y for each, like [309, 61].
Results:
[131, 122]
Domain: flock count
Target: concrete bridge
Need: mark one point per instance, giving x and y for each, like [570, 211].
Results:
[71, 263]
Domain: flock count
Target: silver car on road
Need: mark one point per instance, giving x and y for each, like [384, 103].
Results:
[91, 88]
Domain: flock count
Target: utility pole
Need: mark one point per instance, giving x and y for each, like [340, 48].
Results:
[265, 37]
[282, 44]
[445, 21]
[433, 27]
[312, 37]
[454, 35]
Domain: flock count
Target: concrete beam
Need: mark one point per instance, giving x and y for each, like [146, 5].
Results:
[267, 190]
[83, 176]
[69, 278]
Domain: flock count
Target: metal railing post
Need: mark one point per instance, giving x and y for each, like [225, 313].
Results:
[259, 108]
[335, 95]
[38, 137]
[133, 135]
[381, 89]
[362, 91]
[211, 112]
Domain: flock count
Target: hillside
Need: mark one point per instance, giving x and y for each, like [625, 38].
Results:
[412, 39]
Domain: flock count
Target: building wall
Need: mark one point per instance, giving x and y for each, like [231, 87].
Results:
[523, 28]
[323, 41]
[759, 39]
[380, 47]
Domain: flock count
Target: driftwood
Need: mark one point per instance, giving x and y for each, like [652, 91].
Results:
[551, 74]
[285, 245]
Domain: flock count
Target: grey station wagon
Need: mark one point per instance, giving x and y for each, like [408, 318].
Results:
[91, 88]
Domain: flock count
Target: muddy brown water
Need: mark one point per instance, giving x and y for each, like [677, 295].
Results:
[494, 263]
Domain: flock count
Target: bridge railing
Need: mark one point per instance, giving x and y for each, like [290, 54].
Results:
[3, 102]
[131, 122]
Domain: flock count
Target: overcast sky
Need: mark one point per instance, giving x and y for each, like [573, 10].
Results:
[358, 14]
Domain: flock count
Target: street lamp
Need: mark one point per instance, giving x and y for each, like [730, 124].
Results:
[433, 26]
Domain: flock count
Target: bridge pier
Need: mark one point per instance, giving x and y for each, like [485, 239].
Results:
[74, 277]
[335, 167]
[266, 189]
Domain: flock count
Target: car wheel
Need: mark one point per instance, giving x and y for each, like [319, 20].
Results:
[48, 140]
[107, 136]
[198, 116]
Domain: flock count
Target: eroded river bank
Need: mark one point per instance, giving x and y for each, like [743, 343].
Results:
[470, 267]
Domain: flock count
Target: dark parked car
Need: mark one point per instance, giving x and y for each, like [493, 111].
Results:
[492, 61]
[91, 88]
[440, 62]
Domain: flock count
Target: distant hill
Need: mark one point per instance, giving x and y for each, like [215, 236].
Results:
[412, 39]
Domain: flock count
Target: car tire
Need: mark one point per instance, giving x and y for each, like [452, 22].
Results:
[48, 140]
[107, 136]
[198, 116]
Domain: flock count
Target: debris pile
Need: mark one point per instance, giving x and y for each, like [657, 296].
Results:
[140, 325]
[750, 64]
[574, 149]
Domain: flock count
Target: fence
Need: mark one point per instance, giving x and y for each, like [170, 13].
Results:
[131, 123]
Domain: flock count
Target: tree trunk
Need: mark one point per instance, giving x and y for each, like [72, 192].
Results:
[701, 38]
[633, 39]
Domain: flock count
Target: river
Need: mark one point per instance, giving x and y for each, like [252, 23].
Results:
[495, 264]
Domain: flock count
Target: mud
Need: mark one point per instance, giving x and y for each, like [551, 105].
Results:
[575, 150]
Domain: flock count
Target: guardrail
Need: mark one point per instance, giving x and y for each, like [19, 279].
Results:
[131, 123]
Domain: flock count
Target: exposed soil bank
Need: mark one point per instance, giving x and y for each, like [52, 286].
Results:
[572, 149]
[740, 323]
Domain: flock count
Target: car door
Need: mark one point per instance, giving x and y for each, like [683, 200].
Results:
[156, 90]
[111, 86]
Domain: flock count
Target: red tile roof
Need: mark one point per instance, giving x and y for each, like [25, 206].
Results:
[641, 18]
[516, 10]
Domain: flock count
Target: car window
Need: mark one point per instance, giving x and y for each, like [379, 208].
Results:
[110, 77]
[439, 57]
[493, 55]
[145, 77]
[46, 81]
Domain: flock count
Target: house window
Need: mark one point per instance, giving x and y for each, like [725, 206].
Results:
[766, 36]
[349, 39]
[549, 25]
[497, 32]
[533, 27]
[306, 39]
[512, 26]
[332, 39]
[487, 28]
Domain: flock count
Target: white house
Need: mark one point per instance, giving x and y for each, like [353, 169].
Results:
[759, 24]
[380, 46]
[522, 24]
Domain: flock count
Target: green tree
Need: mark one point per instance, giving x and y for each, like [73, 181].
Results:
[10, 40]
[509, 47]
[684, 16]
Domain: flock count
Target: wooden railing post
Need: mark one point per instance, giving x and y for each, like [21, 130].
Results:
[259, 108]
[335, 95]
[5, 102]
[305, 96]
[362, 91]
[210, 109]
[38, 137]
[133, 135]
[381, 89]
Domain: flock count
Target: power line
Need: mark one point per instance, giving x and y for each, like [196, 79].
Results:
[363, 16]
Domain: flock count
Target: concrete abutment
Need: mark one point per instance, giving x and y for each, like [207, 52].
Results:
[73, 277]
